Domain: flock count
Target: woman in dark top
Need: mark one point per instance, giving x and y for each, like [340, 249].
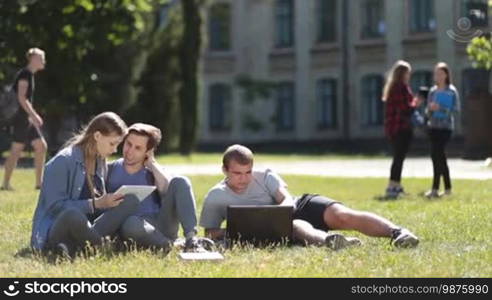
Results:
[73, 207]
[400, 105]
[27, 123]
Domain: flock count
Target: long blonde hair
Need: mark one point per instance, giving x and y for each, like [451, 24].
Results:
[395, 76]
[106, 123]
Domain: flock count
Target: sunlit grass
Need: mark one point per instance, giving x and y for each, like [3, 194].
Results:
[454, 232]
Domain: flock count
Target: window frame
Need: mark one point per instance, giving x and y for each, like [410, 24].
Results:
[325, 100]
[284, 24]
[220, 94]
[219, 31]
[371, 100]
[280, 102]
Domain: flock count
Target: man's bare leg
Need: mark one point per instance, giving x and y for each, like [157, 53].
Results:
[339, 217]
[304, 232]
[10, 163]
[40, 148]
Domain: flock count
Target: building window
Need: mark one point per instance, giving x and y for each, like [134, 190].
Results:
[220, 98]
[476, 11]
[372, 106]
[373, 25]
[421, 78]
[326, 103]
[219, 27]
[422, 17]
[285, 107]
[326, 11]
[284, 16]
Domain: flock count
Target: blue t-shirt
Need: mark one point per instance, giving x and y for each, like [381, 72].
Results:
[118, 176]
[449, 103]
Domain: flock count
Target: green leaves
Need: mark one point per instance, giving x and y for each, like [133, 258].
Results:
[68, 30]
[86, 4]
[480, 52]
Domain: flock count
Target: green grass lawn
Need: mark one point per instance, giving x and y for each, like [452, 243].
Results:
[216, 158]
[455, 238]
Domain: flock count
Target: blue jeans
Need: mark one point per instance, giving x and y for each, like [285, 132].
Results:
[73, 228]
[160, 229]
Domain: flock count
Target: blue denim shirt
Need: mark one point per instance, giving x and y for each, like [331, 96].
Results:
[63, 181]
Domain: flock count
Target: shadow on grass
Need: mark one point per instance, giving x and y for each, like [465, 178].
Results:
[386, 198]
[25, 252]
[107, 252]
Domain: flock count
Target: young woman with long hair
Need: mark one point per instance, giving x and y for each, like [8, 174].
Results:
[400, 104]
[73, 207]
[443, 104]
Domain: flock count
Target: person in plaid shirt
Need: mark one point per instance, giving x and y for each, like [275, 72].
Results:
[400, 104]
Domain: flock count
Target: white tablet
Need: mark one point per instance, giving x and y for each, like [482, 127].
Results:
[201, 256]
[141, 191]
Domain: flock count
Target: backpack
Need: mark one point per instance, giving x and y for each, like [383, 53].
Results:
[9, 105]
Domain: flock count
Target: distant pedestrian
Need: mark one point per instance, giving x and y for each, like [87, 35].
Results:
[400, 105]
[443, 105]
[27, 123]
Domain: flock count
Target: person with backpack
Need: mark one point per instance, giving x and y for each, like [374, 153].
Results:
[156, 223]
[443, 104]
[27, 122]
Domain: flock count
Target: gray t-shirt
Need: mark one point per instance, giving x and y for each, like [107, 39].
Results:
[261, 191]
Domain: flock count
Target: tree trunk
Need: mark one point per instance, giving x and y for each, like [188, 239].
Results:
[189, 61]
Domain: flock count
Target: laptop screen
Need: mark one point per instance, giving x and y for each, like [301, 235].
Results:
[262, 224]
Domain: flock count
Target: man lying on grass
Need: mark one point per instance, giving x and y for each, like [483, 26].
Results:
[313, 215]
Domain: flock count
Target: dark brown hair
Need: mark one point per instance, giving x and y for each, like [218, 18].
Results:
[445, 68]
[151, 132]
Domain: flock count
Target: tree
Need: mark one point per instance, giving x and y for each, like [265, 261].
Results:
[97, 51]
[189, 62]
[480, 49]
[480, 52]
[121, 55]
[158, 98]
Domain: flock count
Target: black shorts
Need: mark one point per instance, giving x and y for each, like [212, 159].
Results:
[24, 131]
[311, 208]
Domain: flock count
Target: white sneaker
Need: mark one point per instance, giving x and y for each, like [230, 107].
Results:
[432, 194]
[336, 241]
[403, 238]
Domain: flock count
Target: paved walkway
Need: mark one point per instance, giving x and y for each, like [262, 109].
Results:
[413, 167]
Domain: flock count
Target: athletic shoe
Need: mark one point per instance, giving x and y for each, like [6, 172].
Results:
[446, 193]
[403, 238]
[336, 241]
[198, 245]
[401, 191]
[432, 194]
[392, 192]
[7, 188]
[61, 250]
